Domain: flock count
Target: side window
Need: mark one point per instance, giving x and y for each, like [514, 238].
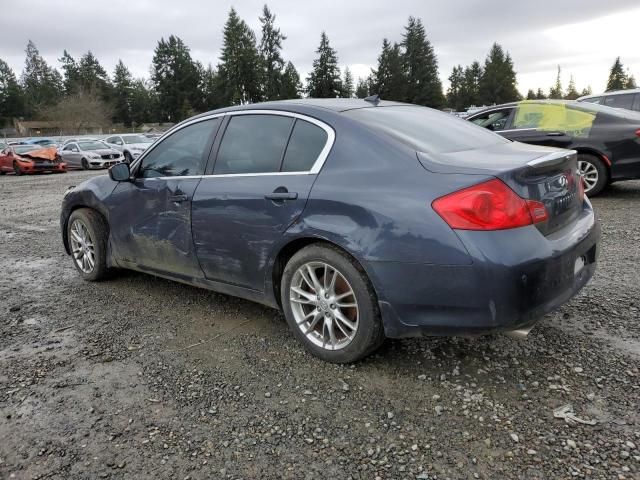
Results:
[306, 142]
[253, 144]
[494, 121]
[624, 100]
[109, 140]
[182, 153]
[68, 148]
[593, 100]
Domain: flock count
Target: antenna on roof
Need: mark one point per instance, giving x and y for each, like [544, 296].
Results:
[375, 99]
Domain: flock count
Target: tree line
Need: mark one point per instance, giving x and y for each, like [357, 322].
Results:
[252, 71]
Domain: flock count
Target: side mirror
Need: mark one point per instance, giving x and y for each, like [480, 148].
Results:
[120, 172]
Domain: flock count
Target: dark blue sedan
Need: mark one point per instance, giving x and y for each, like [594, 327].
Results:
[359, 219]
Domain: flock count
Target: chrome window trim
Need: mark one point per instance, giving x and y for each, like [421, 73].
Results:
[516, 130]
[315, 169]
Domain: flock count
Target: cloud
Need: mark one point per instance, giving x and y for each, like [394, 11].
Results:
[582, 35]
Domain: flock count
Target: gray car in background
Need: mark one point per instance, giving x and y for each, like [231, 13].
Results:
[131, 145]
[90, 155]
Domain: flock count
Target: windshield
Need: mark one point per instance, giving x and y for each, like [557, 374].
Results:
[91, 145]
[426, 130]
[136, 139]
[25, 148]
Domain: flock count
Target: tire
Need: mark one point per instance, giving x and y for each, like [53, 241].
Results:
[16, 169]
[349, 344]
[128, 158]
[96, 232]
[594, 172]
[85, 164]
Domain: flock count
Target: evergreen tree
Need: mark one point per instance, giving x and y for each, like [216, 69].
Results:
[420, 67]
[209, 86]
[540, 94]
[571, 93]
[175, 79]
[456, 88]
[11, 97]
[122, 92]
[388, 79]
[470, 93]
[617, 77]
[498, 82]
[555, 92]
[291, 85]
[631, 82]
[272, 62]
[92, 77]
[362, 89]
[324, 79]
[348, 88]
[531, 95]
[586, 91]
[144, 103]
[239, 71]
[70, 72]
[41, 83]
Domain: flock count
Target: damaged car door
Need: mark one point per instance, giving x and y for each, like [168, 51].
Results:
[153, 230]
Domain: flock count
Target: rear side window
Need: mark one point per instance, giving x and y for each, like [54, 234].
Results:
[253, 144]
[592, 100]
[624, 100]
[426, 130]
[305, 145]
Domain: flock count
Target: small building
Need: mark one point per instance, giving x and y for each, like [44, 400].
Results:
[37, 128]
[155, 127]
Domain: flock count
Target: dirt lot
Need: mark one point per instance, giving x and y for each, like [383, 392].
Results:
[141, 377]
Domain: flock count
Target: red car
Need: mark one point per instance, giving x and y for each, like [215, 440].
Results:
[21, 159]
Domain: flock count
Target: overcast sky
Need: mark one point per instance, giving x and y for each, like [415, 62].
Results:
[583, 36]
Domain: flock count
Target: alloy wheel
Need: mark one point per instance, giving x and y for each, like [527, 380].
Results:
[589, 173]
[82, 247]
[324, 305]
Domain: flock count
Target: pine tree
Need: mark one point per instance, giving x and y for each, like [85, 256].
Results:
[540, 94]
[70, 72]
[11, 96]
[571, 93]
[144, 103]
[617, 77]
[631, 82]
[420, 67]
[175, 79]
[555, 92]
[122, 91]
[209, 86]
[41, 83]
[531, 95]
[92, 77]
[291, 85]
[456, 87]
[470, 93]
[348, 88]
[388, 79]
[324, 79]
[498, 82]
[362, 89]
[239, 71]
[272, 62]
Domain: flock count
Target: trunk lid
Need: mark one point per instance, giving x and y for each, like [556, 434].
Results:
[548, 175]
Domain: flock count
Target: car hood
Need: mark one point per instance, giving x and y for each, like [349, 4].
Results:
[47, 153]
[103, 151]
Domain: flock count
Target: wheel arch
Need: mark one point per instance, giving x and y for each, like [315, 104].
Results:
[293, 246]
[598, 154]
[65, 226]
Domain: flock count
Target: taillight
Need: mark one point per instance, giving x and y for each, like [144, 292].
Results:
[638, 132]
[490, 205]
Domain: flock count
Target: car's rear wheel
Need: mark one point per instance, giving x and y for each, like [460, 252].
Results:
[16, 169]
[330, 304]
[87, 233]
[594, 173]
[85, 164]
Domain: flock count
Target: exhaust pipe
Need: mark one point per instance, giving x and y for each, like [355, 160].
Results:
[519, 334]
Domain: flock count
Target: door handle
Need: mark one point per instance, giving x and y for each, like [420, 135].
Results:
[179, 198]
[280, 196]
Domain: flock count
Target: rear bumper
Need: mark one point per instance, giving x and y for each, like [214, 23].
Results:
[516, 277]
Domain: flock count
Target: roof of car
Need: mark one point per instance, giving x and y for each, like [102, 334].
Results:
[613, 92]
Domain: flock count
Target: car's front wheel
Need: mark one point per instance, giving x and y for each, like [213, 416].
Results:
[85, 164]
[330, 304]
[87, 233]
[16, 169]
[594, 173]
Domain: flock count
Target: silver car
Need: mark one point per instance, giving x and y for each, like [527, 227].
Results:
[89, 155]
[131, 145]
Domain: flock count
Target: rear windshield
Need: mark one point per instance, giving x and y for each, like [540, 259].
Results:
[425, 129]
[26, 148]
[92, 145]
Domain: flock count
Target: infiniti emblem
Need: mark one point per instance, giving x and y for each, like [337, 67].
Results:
[563, 181]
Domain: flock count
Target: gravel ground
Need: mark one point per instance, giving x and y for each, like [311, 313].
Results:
[141, 377]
